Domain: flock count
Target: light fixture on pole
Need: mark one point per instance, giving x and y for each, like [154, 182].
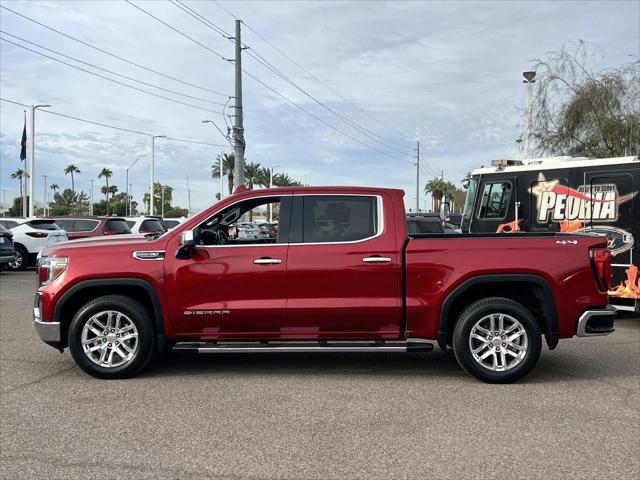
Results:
[152, 173]
[128, 205]
[30, 169]
[529, 77]
[306, 182]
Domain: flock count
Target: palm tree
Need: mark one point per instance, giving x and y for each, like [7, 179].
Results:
[19, 174]
[263, 177]
[437, 188]
[228, 165]
[107, 174]
[284, 180]
[71, 169]
[252, 173]
[55, 188]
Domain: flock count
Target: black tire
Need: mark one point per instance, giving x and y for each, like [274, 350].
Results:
[480, 310]
[136, 313]
[21, 260]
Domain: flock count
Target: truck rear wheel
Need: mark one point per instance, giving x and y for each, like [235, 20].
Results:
[112, 337]
[497, 340]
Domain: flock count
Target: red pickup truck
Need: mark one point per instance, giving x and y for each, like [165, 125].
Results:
[342, 275]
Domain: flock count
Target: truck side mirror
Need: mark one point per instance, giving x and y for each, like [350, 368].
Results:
[185, 245]
[445, 211]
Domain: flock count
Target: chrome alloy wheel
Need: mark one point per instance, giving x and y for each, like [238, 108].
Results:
[16, 263]
[109, 339]
[498, 342]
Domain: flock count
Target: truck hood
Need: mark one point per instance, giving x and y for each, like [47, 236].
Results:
[117, 242]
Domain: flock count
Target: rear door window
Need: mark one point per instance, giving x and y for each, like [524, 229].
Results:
[85, 225]
[116, 226]
[338, 218]
[8, 223]
[43, 225]
[151, 226]
[65, 224]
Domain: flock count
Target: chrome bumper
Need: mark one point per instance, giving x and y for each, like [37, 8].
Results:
[48, 332]
[593, 323]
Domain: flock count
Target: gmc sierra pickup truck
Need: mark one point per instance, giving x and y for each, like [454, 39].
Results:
[342, 275]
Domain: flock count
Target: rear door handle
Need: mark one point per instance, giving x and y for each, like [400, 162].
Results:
[267, 261]
[376, 259]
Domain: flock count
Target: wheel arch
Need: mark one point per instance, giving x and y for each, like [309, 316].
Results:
[136, 288]
[541, 303]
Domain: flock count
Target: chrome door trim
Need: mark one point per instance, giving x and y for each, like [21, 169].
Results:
[376, 259]
[267, 261]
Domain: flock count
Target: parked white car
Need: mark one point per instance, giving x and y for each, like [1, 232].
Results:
[145, 224]
[30, 235]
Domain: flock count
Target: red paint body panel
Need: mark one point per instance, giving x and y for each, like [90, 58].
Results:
[324, 291]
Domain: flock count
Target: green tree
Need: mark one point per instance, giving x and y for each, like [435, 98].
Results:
[252, 173]
[117, 205]
[106, 174]
[228, 167]
[577, 111]
[68, 202]
[284, 180]
[157, 198]
[71, 170]
[20, 175]
[437, 188]
[55, 188]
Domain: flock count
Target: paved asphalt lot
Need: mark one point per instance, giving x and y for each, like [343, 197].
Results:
[316, 416]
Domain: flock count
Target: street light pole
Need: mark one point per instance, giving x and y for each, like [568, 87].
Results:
[44, 208]
[221, 165]
[30, 170]
[271, 186]
[128, 204]
[91, 206]
[529, 77]
[152, 173]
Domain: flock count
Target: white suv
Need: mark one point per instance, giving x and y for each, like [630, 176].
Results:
[30, 235]
[145, 224]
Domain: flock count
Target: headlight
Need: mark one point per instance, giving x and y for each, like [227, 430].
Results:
[50, 268]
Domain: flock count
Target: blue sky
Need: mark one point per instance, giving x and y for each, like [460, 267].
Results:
[448, 73]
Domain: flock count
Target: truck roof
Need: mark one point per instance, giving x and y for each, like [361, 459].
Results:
[551, 163]
[326, 189]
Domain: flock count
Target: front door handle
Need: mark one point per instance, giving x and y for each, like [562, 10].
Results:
[376, 259]
[267, 261]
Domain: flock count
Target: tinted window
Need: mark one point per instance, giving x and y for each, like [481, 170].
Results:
[65, 223]
[8, 223]
[117, 226]
[495, 200]
[338, 218]
[130, 223]
[43, 225]
[168, 224]
[85, 225]
[151, 226]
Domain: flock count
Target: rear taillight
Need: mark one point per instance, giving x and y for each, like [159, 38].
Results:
[601, 263]
[37, 234]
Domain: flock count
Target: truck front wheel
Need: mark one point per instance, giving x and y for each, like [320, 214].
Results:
[111, 337]
[497, 340]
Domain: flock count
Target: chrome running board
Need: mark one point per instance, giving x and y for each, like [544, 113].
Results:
[330, 346]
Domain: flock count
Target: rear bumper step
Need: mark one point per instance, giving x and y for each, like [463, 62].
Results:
[337, 346]
[594, 323]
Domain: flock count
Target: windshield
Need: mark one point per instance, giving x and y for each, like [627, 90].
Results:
[471, 193]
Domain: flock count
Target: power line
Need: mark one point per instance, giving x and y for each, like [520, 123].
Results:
[113, 127]
[368, 133]
[190, 11]
[307, 71]
[265, 63]
[176, 30]
[112, 54]
[112, 72]
[321, 120]
[110, 79]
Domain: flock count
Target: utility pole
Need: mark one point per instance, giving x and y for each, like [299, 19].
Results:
[417, 175]
[271, 186]
[238, 129]
[130, 199]
[91, 206]
[189, 195]
[30, 170]
[162, 200]
[44, 208]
